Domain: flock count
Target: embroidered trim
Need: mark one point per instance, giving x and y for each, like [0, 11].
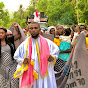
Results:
[24, 68]
[37, 51]
[54, 60]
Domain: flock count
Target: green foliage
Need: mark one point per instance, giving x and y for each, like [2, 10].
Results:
[30, 10]
[1, 23]
[58, 12]
[1, 5]
[42, 5]
[4, 16]
[66, 18]
[19, 17]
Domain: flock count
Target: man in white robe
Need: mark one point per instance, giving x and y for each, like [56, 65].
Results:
[49, 80]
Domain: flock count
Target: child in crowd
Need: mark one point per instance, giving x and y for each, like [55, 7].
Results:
[65, 49]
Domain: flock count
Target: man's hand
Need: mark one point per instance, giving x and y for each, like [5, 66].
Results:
[50, 58]
[15, 24]
[26, 61]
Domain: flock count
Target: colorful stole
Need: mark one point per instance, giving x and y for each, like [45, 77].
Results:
[30, 75]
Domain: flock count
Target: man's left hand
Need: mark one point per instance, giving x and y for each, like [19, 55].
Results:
[50, 58]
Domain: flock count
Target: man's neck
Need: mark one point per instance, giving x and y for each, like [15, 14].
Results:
[35, 37]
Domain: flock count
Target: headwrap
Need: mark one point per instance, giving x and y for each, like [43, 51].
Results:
[49, 28]
[9, 32]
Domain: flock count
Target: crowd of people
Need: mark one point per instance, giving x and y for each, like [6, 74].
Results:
[28, 60]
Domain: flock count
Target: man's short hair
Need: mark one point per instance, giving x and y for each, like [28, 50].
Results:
[34, 23]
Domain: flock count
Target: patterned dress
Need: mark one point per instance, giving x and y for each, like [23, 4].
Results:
[7, 69]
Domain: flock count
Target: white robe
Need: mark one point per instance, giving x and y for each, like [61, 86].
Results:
[49, 81]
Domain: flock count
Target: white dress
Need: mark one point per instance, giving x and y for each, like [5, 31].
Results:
[49, 81]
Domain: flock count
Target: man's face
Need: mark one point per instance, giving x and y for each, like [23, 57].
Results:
[60, 30]
[34, 30]
[82, 28]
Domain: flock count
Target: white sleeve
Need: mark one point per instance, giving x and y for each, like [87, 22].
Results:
[54, 50]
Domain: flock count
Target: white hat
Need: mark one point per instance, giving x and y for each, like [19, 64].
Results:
[49, 28]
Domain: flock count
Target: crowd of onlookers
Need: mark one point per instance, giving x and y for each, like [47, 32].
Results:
[64, 38]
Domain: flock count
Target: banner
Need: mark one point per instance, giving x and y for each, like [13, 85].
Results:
[75, 74]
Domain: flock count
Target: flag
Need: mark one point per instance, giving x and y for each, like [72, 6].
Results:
[36, 16]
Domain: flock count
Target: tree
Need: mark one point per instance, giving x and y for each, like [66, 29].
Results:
[60, 12]
[19, 17]
[4, 15]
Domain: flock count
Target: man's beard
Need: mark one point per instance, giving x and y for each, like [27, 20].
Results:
[36, 36]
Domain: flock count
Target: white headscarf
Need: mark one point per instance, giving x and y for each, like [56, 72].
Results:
[9, 32]
[49, 28]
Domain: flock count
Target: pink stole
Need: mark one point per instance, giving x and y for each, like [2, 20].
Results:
[28, 77]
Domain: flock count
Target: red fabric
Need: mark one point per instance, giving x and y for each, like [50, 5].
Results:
[36, 13]
[28, 78]
[44, 52]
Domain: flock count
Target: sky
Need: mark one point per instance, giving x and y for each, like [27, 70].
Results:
[13, 5]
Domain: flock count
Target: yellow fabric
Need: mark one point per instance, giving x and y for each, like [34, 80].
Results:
[57, 41]
[34, 71]
[37, 48]
[54, 60]
[24, 68]
[87, 43]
